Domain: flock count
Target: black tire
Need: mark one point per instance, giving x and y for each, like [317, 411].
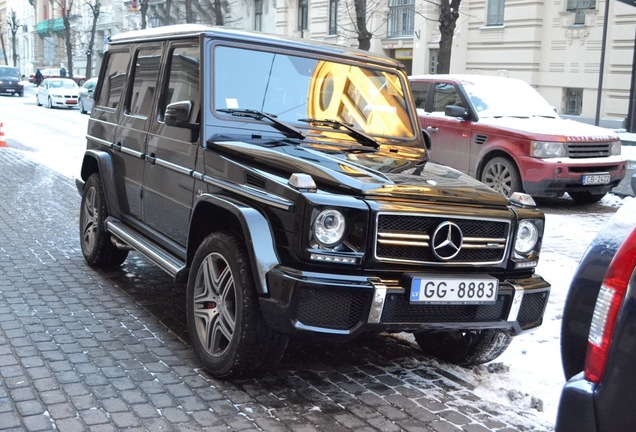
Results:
[97, 248]
[49, 103]
[464, 348]
[37, 101]
[502, 175]
[586, 197]
[227, 330]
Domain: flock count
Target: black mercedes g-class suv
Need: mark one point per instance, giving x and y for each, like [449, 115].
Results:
[288, 183]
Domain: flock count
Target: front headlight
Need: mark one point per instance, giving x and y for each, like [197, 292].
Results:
[615, 149]
[527, 237]
[541, 149]
[329, 227]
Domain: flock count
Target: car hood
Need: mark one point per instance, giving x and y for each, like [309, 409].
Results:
[9, 78]
[63, 91]
[386, 173]
[550, 129]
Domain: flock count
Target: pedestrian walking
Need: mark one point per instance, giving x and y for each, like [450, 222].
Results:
[62, 72]
[38, 77]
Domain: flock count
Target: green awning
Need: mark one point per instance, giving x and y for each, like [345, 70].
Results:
[58, 24]
[50, 26]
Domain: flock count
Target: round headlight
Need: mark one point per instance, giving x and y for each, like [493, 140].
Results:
[527, 236]
[329, 227]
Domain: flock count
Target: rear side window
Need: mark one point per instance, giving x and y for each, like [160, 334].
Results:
[445, 95]
[114, 80]
[145, 74]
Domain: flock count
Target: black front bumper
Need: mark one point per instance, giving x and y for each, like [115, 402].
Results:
[349, 305]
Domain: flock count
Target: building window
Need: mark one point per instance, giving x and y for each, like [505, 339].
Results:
[495, 14]
[258, 15]
[433, 60]
[573, 103]
[579, 7]
[333, 17]
[401, 18]
[303, 14]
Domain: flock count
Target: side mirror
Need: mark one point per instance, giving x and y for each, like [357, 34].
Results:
[178, 113]
[457, 111]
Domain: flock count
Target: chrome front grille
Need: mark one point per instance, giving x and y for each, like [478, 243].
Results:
[588, 150]
[407, 238]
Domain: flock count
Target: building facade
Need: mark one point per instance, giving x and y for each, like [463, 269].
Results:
[556, 46]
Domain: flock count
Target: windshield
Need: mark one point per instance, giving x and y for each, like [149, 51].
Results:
[296, 88]
[507, 98]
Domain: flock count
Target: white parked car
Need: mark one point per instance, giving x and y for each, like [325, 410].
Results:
[57, 92]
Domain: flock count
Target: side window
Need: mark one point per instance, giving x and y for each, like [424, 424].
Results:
[145, 74]
[183, 78]
[445, 94]
[113, 80]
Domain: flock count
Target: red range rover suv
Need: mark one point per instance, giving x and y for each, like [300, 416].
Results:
[502, 132]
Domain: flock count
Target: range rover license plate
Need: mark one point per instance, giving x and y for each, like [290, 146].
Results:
[596, 179]
[453, 289]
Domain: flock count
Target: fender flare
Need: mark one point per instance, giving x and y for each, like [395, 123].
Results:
[101, 162]
[256, 232]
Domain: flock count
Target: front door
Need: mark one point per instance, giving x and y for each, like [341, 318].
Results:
[168, 183]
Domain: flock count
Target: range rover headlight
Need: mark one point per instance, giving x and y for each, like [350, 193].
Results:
[615, 148]
[329, 227]
[541, 149]
[527, 237]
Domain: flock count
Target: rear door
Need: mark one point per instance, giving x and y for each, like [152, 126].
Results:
[130, 140]
[450, 136]
[171, 152]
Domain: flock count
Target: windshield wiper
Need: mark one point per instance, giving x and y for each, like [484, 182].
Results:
[259, 115]
[336, 124]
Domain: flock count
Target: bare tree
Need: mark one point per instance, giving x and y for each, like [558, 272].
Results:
[448, 15]
[90, 48]
[364, 35]
[65, 7]
[4, 50]
[14, 24]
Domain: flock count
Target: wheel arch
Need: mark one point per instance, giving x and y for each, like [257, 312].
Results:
[101, 162]
[214, 213]
[491, 155]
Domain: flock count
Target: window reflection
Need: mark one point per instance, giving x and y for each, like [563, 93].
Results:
[293, 88]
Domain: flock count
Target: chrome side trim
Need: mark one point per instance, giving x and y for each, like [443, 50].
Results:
[250, 193]
[517, 298]
[99, 140]
[377, 304]
[174, 167]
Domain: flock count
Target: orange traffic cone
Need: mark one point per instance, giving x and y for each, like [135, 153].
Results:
[3, 141]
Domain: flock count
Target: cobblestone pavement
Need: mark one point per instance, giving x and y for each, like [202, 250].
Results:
[101, 351]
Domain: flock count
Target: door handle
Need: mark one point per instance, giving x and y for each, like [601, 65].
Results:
[117, 146]
[432, 129]
[152, 158]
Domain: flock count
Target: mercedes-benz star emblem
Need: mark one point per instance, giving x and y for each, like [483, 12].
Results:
[447, 241]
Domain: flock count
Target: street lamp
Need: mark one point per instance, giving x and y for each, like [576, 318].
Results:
[155, 20]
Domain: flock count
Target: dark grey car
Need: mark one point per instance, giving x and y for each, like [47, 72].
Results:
[10, 81]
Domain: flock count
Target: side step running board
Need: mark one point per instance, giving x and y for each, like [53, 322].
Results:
[163, 259]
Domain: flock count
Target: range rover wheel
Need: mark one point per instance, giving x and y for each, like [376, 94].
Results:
[586, 197]
[97, 248]
[502, 175]
[464, 348]
[227, 330]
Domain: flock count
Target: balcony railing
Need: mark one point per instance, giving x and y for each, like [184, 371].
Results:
[47, 27]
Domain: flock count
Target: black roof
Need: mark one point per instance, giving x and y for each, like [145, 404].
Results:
[182, 31]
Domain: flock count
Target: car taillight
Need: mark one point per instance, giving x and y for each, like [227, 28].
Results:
[607, 306]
